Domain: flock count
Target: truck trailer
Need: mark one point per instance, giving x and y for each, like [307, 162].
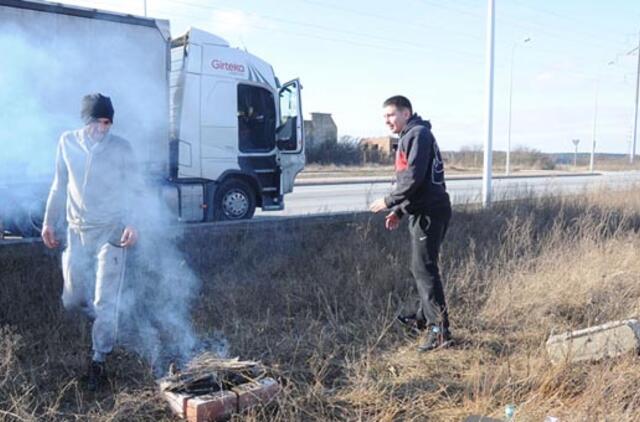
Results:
[213, 129]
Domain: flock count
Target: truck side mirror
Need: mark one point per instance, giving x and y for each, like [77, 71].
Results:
[286, 138]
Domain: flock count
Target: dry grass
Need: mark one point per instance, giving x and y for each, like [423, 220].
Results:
[457, 163]
[316, 303]
[312, 171]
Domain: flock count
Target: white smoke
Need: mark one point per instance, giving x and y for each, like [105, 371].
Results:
[28, 120]
[160, 291]
[43, 78]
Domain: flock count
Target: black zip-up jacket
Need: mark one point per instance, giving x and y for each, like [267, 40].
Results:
[420, 186]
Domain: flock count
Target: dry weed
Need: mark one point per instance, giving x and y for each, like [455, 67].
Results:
[316, 302]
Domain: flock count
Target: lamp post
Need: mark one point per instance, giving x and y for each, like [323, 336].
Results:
[575, 155]
[488, 120]
[513, 53]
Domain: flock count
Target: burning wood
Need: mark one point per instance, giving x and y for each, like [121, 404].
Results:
[209, 374]
[211, 388]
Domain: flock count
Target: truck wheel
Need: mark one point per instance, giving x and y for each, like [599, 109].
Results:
[28, 221]
[234, 200]
[36, 217]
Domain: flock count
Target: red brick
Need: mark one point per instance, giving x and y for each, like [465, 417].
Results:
[211, 407]
[254, 393]
[178, 402]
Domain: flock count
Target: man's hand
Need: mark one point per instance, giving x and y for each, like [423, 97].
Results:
[129, 237]
[391, 221]
[49, 237]
[378, 205]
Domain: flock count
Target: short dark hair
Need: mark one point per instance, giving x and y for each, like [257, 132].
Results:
[399, 102]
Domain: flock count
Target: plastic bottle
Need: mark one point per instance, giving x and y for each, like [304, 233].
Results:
[510, 412]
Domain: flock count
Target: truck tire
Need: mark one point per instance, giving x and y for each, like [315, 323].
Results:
[27, 222]
[234, 200]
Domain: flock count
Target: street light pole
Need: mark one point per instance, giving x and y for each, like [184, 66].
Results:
[508, 159]
[488, 149]
[145, 8]
[595, 119]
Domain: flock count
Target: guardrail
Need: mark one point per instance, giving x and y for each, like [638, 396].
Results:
[388, 179]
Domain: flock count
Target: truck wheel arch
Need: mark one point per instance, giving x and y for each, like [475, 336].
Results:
[240, 182]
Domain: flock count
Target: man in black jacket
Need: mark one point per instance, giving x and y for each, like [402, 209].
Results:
[421, 193]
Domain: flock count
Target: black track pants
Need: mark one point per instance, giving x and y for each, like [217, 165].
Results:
[427, 233]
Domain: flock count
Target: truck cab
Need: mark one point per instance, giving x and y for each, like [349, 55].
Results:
[236, 133]
[212, 130]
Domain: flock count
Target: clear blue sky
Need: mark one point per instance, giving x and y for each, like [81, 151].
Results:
[351, 55]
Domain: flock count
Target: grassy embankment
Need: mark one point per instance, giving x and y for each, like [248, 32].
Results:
[316, 303]
[469, 163]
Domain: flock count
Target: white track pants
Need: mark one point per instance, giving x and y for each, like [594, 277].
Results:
[93, 269]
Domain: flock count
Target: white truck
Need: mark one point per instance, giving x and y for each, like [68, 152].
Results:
[211, 125]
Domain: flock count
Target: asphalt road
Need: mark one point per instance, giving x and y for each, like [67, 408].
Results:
[334, 198]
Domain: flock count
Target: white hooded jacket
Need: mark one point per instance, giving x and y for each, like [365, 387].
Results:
[98, 181]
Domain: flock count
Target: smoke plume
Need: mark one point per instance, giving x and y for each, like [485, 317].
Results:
[44, 75]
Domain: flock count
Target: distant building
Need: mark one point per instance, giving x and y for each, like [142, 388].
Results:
[378, 149]
[321, 128]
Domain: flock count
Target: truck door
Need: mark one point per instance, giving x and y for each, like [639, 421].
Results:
[290, 134]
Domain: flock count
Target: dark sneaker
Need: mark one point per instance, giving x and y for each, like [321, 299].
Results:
[412, 326]
[435, 338]
[96, 376]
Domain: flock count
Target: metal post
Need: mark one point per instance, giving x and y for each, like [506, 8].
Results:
[635, 114]
[488, 149]
[507, 166]
[595, 119]
[145, 8]
[575, 155]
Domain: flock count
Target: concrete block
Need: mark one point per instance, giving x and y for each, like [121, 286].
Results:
[595, 343]
[254, 393]
[211, 407]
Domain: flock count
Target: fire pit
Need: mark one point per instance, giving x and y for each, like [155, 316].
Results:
[212, 389]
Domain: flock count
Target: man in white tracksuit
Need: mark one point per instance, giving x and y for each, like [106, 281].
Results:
[95, 180]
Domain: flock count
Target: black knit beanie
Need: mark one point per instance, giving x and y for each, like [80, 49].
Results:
[96, 106]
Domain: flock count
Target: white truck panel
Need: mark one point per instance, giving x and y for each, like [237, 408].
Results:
[224, 62]
[219, 127]
[56, 58]
[194, 60]
[199, 36]
[214, 94]
[223, 147]
[295, 164]
[190, 126]
[215, 167]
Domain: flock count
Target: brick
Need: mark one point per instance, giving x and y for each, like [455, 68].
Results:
[595, 343]
[211, 407]
[254, 393]
[177, 402]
